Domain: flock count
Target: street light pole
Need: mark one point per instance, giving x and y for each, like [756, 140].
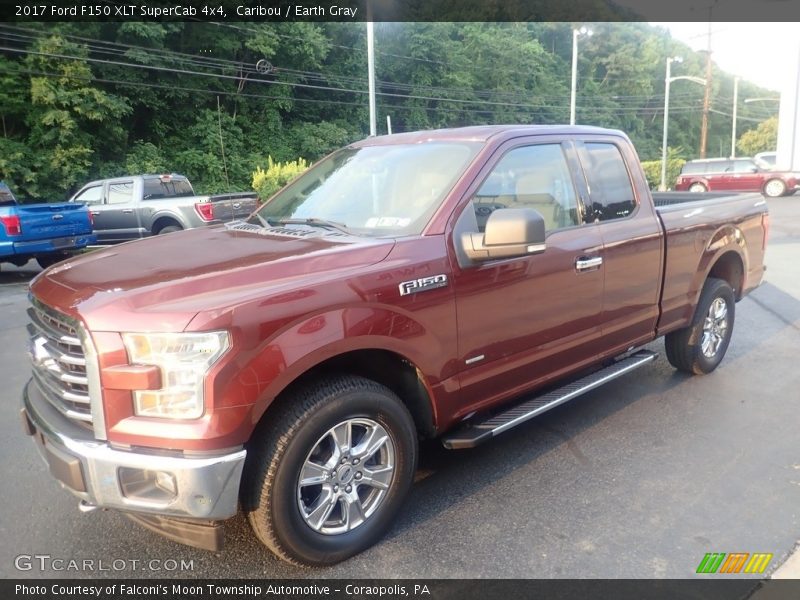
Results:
[373, 121]
[575, 34]
[735, 112]
[667, 80]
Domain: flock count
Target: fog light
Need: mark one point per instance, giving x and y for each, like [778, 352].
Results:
[148, 486]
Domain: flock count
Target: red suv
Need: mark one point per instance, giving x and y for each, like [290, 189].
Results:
[735, 174]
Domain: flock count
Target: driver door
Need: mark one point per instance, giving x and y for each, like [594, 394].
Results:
[525, 320]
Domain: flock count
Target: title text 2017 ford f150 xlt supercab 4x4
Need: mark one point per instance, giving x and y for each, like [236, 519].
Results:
[409, 286]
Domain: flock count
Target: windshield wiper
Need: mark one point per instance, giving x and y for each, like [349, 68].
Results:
[313, 221]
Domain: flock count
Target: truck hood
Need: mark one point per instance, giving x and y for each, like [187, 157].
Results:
[162, 283]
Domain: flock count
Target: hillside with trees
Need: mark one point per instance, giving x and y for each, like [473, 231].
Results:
[214, 101]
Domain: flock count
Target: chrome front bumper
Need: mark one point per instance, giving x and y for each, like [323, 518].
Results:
[205, 487]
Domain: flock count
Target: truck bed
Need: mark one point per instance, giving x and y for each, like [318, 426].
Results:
[695, 223]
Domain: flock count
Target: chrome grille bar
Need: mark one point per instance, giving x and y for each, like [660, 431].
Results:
[59, 362]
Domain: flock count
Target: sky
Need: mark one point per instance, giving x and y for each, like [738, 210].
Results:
[755, 51]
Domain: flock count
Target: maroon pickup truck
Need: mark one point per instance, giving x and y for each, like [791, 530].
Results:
[412, 286]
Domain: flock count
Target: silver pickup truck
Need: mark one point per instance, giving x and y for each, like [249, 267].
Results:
[136, 206]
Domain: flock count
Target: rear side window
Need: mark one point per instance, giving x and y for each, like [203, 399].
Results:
[156, 188]
[610, 187]
[120, 193]
[693, 168]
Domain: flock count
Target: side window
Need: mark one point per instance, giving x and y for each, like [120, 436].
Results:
[120, 193]
[610, 187]
[534, 177]
[744, 166]
[92, 195]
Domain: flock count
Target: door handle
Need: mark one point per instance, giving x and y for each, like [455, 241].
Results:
[127, 211]
[585, 263]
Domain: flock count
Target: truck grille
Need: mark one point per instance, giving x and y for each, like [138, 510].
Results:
[59, 363]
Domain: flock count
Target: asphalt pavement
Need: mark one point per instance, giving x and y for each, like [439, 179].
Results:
[640, 478]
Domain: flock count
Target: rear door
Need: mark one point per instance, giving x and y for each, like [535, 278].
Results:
[524, 320]
[632, 242]
[746, 176]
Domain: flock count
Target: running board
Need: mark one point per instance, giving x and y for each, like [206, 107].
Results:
[479, 432]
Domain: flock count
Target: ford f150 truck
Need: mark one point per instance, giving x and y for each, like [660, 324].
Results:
[450, 284]
[132, 207]
[48, 232]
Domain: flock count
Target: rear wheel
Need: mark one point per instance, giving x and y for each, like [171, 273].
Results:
[327, 477]
[170, 229]
[698, 187]
[774, 188]
[700, 347]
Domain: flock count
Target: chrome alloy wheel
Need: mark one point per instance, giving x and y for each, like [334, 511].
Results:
[715, 328]
[346, 476]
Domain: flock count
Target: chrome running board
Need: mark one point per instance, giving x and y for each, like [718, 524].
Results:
[478, 432]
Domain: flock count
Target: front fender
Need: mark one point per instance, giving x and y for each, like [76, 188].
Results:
[262, 374]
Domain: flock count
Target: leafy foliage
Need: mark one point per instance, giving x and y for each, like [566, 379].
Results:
[763, 138]
[101, 99]
[268, 181]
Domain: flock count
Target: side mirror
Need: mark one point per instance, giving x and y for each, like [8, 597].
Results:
[509, 232]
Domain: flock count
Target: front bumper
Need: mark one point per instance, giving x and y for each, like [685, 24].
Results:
[203, 487]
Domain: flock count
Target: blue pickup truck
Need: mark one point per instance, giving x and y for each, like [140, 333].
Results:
[47, 232]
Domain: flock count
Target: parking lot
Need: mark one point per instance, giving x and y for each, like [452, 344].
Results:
[640, 478]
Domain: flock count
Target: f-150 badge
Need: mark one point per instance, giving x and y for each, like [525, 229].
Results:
[423, 284]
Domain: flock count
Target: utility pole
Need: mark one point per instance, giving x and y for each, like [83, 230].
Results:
[707, 96]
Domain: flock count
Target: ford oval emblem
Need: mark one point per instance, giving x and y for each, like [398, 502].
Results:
[57, 217]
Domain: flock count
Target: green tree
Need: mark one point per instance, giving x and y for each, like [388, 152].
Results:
[763, 138]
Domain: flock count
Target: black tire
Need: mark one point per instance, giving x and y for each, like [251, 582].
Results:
[775, 188]
[698, 187]
[271, 492]
[170, 229]
[48, 260]
[685, 346]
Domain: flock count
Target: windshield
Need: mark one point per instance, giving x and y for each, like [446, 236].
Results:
[375, 190]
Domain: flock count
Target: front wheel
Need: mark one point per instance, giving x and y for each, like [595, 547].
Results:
[326, 477]
[700, 347]
[697, 187]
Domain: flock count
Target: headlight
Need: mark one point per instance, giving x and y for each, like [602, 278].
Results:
[184, 360]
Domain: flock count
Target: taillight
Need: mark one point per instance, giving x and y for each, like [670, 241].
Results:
[91, 219]
[765, 225]
[205, 210]
[12, 225]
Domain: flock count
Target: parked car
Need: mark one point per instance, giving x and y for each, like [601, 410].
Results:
[736, 175]
[136, 206]
[418, 285]
[48, 232]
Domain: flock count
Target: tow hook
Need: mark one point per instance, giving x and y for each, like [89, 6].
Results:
[85, 507]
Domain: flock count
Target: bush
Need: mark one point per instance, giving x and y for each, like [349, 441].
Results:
[277, 174]
[652, 170]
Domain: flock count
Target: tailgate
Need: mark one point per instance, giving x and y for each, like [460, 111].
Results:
[45, 221]
[228, 207]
